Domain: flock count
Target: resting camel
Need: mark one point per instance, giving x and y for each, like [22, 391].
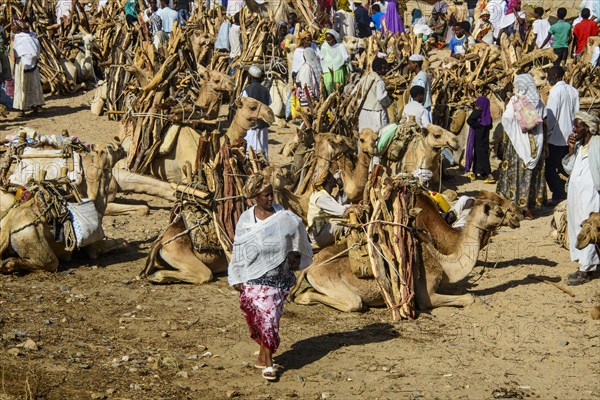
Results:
[590, 231]
[23, 229]
[335, 285]
[422, 152]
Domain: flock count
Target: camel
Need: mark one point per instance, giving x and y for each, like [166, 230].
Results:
[422, 152]
[335, 285]
[84, 60]
[24, 230]
[211, 93]
[353, 44]
[590, 231]
[355, 175]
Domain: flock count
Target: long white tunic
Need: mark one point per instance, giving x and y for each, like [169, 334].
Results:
[582, 199]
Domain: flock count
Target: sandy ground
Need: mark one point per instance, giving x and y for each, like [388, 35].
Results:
[99, 332]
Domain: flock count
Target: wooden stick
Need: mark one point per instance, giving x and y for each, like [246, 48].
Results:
[559, 287]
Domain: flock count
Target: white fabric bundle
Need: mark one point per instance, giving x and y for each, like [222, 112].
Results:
[87, 223]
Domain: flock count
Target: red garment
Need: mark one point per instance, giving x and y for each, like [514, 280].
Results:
[583, 31]
[262, 307]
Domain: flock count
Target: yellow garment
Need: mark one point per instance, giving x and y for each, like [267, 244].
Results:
[319, 179]
[315, 215]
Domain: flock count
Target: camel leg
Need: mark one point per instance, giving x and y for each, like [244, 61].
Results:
[14, 264]
[113, 209]
[179, 254]
[330, 290]
[105, 246]
[446, 300]
[129, 182]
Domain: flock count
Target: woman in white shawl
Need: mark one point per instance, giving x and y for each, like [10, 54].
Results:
[335, 62]
[28, 83]
[522, 169]
[583, 194]
[269, 243]
[308, 78]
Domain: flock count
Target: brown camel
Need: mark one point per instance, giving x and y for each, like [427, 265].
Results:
[216, 86]
[24, 230]
[423, 150]
[355, 174]
[335, 285]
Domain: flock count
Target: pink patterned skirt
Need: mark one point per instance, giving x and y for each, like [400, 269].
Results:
[262, 307]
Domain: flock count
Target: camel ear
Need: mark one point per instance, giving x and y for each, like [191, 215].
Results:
[487, 208]
[424, 131]
[116, 139]
[239, 103]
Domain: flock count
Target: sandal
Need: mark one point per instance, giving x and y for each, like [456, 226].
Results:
[471, 176]
[277, 367]
[579, 279]
[269, 374]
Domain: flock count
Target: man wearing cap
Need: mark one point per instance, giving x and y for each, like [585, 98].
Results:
[373, 114]
[415, 64]
[257, 138]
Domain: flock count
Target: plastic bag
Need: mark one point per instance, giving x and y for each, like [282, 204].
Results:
[526, 113]
[86, 222]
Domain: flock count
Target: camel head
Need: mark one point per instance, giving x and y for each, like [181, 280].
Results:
[513, 213]
[329, 146]
[280, 177]
[367, 142]
[353, 44]
[218, 81]
[250, 111]
[437, 137]
[590, 231]
[486, 215]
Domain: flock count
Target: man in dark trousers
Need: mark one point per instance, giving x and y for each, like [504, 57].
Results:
[363, 21]
[258, 138]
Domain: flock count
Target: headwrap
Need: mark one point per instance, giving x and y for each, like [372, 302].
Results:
[255, 185]
[319, 179]
[524, 86]
[255, 71]
[334, 34]
[393, 21]
[281, 23]
[592, 121]
[303, 35]
[415, 57]
[311, 58]
[483, 103]
[512, 4]
[416, 15]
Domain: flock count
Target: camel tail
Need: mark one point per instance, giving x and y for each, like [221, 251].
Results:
[299, 281]
[4, 238]
[152, 256]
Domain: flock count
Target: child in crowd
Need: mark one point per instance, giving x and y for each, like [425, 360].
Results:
[562, 33]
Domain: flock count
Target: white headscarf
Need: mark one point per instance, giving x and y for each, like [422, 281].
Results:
[333, 57]
[310, 57]
[524, 86]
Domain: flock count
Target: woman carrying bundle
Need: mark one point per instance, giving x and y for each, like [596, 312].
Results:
[335, 62]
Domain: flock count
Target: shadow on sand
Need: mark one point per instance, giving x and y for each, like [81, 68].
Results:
[309, 350]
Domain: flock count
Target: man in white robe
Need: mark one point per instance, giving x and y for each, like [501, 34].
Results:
[257, 138]
[583, 196]
[373, 114]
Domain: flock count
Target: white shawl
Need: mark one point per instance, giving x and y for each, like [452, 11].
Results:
[524, 85]
[27, 47]
[261, 246]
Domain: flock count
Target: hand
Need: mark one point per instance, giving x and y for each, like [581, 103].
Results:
[546, 150]
[293, 259]
[238, 287]
[572, 141]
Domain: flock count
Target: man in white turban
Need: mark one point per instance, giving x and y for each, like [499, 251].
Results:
[583, 193]
[258, 137]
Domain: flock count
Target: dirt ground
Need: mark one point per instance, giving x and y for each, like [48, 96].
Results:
[99, 332]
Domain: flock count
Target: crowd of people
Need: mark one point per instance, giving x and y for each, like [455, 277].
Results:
[544, 142]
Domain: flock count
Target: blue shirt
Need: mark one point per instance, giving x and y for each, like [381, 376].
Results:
[376, 18]
[454, 43]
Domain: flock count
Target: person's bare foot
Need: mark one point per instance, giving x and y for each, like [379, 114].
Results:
[528, 214]
[21, 114]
